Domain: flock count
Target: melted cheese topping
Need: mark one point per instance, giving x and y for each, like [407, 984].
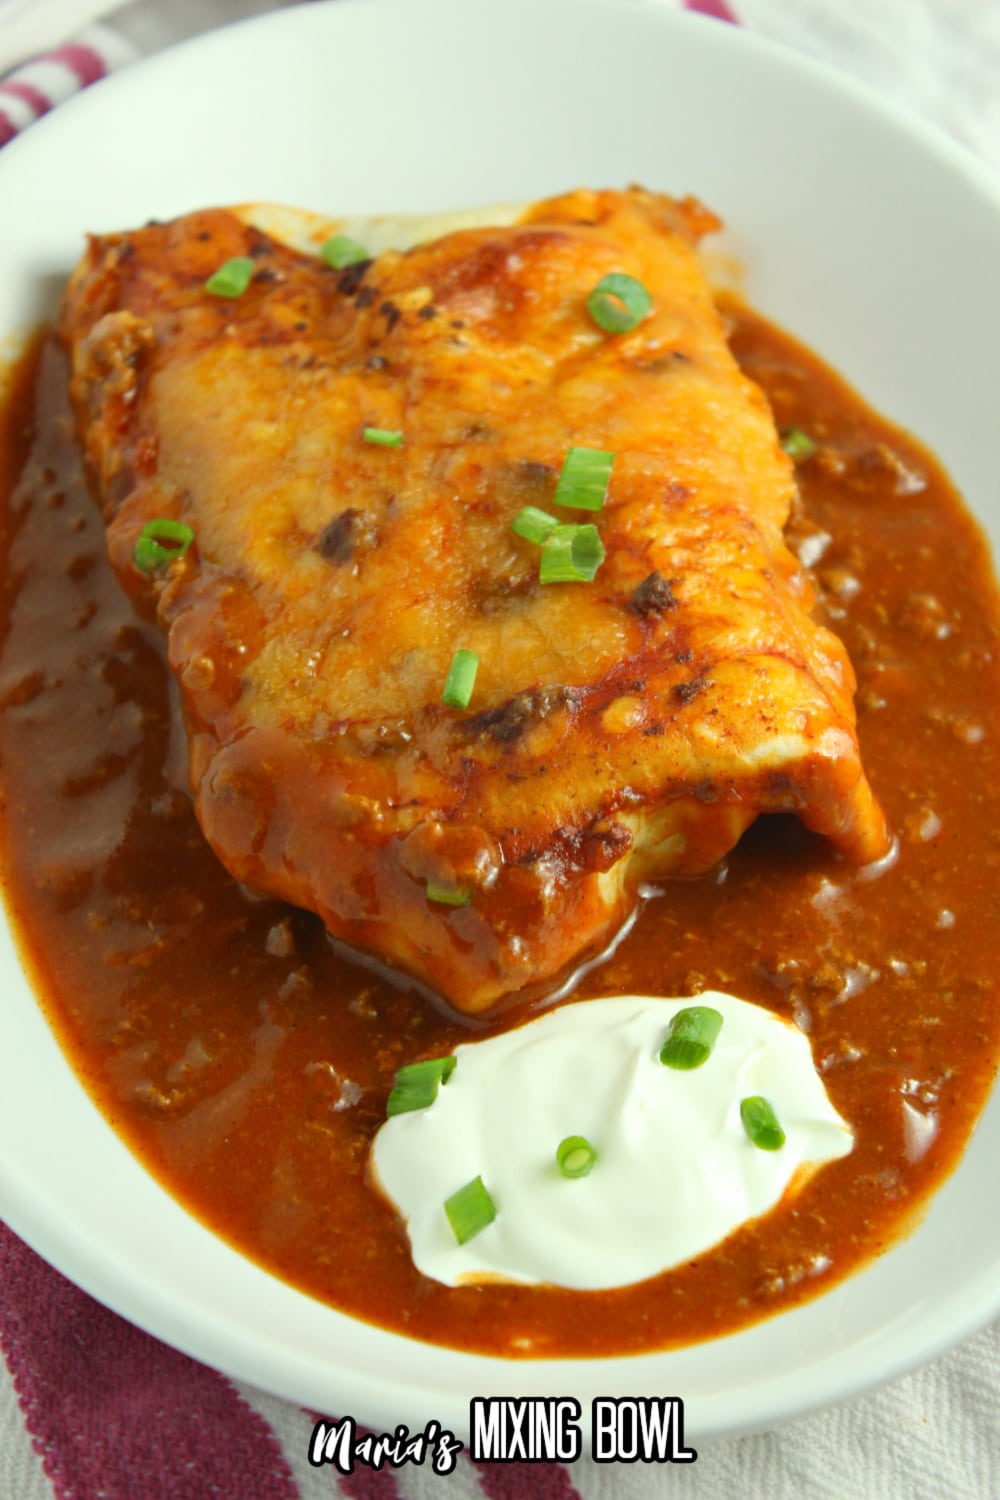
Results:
[620, 731]
[675, 1170]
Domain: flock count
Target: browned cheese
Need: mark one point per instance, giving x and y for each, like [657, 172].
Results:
[620, 731]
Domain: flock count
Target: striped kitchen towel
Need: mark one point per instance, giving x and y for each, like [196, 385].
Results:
[37, 86]
[73, 60]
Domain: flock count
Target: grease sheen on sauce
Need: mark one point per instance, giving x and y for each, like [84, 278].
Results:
[247, 1062]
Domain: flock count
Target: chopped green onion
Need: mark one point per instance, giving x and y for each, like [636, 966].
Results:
[232, 278]
[761, 1123]
[461, 679]
[383, 437]
[533, 524]
[340, 251]
[798, 444]
[692, 1034]
[150, 553]
[575, 1156]
[470, 1210]
[572, 554]
[448, 895]
[416, 1084]
[619, 303]
[583, 479]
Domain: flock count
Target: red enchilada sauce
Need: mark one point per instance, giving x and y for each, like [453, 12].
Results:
[247, 1062]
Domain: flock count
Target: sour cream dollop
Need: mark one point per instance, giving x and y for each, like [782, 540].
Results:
[675, 1171]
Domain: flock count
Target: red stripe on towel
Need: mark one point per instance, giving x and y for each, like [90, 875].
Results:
[369, 1484]
[717, 8]
[87, 64]
[363, 1483]
[28, 94]
[8, 130]
[113, 1412]
[516, 1480]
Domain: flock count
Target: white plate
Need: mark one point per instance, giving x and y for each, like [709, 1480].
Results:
[870, 237]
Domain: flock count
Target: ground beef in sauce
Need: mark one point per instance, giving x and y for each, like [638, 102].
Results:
[247, 1061]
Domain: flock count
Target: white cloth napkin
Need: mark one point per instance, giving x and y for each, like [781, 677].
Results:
[941, 58]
